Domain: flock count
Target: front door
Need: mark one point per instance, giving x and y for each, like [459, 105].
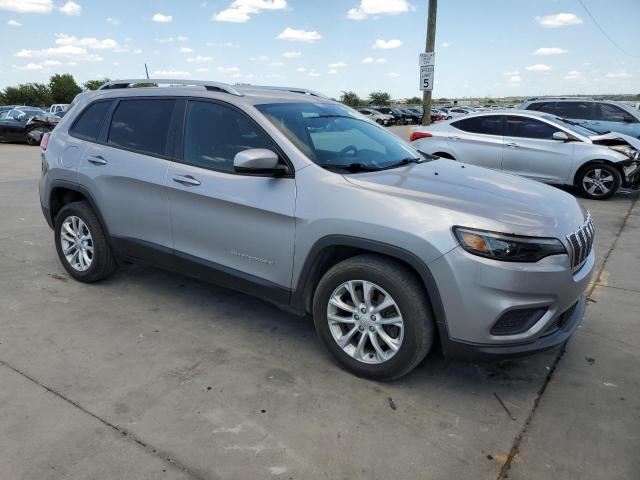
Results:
[531, 151]
[239, 225]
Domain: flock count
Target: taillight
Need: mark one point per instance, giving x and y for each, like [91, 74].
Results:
[44, 141]
[418, 135]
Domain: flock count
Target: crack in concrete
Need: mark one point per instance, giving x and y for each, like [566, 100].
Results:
[164, 456]
[515, 448]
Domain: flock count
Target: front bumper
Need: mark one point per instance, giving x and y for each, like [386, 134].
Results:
[477, 292]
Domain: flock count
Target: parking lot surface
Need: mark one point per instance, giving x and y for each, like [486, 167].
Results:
[154, 375]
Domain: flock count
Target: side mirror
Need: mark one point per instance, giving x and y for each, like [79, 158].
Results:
[561, 136]
[258, 161]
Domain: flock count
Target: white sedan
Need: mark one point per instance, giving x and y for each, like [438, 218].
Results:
[539, 146]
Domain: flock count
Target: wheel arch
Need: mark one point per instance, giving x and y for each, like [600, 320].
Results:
[332, 249]
[64, 192]
[597, 161]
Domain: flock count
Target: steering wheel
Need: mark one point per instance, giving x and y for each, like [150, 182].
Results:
[347, 149]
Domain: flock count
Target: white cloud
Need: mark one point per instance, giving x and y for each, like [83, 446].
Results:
[228, 69]
[292, 54]
[538, 67]
[301, 69]
[295, 35]
[27, 6]
[446, 44]
[137, 51]
[514, 72]
[113, 21]
[225, 45]
[559, 20]
[71, 8]
[313, 73]
[276, 64]
[381, 60]
[165, 40]
[202, 69]
[32, 66]
[159, 17]
[393, 74]
[332, 71]
[240, 11]
[368, 60]
[378, 7]
[387, 44]
[88, 42]
[182, 38]
[550, 51]
[515, 80]
[573, 75]
[13, 23]
[199, 59]
[186, 50]
[618, 75]
[337, 65]
[64, 51]
[170, 73]
[51, 63]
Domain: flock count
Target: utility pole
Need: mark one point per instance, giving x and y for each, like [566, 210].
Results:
[430, 47]
[146, 70]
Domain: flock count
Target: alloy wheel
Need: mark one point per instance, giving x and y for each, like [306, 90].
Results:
[365, 321]
[76, 243]
[597, 182]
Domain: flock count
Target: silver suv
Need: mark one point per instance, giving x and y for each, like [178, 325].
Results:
[300, 200]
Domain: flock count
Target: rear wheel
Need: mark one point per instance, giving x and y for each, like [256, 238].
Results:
[598, 181]
[372, 314]
[82, 245]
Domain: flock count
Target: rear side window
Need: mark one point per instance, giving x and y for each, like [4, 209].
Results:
[141, 125]
[548, 107]
[575, 110]
[214, 133]
[524, 127]
[488, 125]
[90, 120]
[606, 112]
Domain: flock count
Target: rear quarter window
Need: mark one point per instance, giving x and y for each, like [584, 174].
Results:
[88, 124]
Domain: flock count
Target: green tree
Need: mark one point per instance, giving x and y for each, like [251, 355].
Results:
[414, 101]
[379, 98]
[63, 88]
[94, 84]
[350, 98]
[35, 94]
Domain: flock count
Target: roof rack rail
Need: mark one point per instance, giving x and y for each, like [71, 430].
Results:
[211, 86]
[554, 97]
[303, 91]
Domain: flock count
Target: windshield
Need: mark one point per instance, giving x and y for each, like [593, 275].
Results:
[573, 126]
[336, 136]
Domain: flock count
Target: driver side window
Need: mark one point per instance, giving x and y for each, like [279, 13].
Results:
[525, 127]
[214, 134]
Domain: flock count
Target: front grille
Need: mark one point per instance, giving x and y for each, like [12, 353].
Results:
[581, 242]
[560, 321]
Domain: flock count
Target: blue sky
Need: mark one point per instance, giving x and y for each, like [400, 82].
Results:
[483, 48]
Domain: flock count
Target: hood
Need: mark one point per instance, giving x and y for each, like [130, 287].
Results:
[479, 198]
[615, 138]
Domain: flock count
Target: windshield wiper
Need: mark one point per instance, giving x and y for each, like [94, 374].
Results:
[400, 163]
[351, 167]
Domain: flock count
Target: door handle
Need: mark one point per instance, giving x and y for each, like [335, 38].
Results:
[97, 160]
[186, 180]
[454, 137]
[512, 145]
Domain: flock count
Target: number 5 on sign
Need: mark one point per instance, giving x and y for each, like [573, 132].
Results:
[426, 78]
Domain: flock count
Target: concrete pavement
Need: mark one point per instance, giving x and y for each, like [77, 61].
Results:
[154, 375]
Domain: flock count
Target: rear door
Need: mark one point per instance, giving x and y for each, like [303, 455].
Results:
[125, 171]
[240, 226]
[478, 140]
[531, 151]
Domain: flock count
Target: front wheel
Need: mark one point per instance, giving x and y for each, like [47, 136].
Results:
[372, 315]
[598, 181]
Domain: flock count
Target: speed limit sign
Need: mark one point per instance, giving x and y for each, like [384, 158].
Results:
[426, 78]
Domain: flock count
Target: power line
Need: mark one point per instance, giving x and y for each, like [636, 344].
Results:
[613, 42]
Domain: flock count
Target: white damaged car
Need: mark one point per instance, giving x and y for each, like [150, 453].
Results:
[539, 146]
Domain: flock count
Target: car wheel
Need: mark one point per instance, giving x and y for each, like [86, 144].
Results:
[373, 316]
[82, 245]
[598, 181]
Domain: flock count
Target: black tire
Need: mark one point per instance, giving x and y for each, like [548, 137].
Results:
[103, 263]
[589, 170]
[406, 289]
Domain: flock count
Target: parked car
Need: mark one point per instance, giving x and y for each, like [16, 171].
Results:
[377, 117]
[399, 117]
[25, 125]
[539, 146]
[599, 115]
[290, 196]
[57, 108]
[411, 115]
[456, 112]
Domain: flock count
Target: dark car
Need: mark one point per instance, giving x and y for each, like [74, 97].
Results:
[25, 125]
[414, 115]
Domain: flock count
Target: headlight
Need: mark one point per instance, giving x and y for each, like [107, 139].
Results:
[508, 248]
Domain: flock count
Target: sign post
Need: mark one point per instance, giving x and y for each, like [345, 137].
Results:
[427, 63]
